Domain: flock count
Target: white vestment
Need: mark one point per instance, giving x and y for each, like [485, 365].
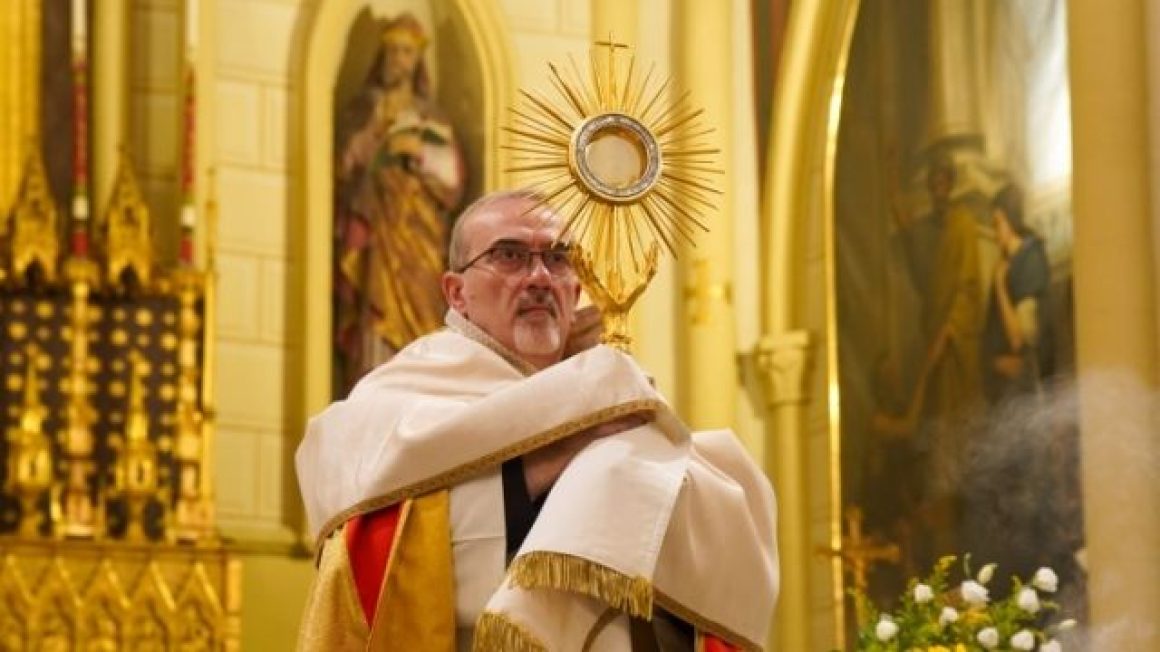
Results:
[653, 515]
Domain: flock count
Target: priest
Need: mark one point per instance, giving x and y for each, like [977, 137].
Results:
[504, 483]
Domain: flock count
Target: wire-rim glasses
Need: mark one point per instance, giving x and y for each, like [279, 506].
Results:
[511, 258]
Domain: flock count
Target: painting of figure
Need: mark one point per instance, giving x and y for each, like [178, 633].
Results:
[952, 281]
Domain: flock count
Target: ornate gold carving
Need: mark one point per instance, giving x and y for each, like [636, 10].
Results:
[55, 608]
[153, 599]
[16, 602]
[163, 331]
[35, 220]
[202, 608]
[136, 476]
[106, 596]
[194, 509]
[104, 610]
[782, 360]
[30, 463]
[126, 232]
[79, 516]
[614, 300]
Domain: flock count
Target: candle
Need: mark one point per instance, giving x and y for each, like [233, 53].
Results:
[191, 19]
[79, 25]
[188, 158]
[80, 205]
[80, 125]
[188, 216]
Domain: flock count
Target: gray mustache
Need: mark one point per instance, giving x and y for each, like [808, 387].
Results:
[533, 301]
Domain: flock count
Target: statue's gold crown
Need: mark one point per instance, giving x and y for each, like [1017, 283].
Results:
[405, 26]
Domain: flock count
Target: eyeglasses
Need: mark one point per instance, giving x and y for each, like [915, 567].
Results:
[511, 258]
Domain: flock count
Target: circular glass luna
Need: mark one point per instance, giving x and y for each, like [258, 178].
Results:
[615, 157]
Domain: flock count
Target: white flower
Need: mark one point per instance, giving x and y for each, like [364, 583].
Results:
[1023, 640]
[948, 615]
[988, 637]
[1028, 600]
[1045, 580]
[974, 593]
[1051, 646]
[1067, 624]
[922, 593]
[986, 573]
[886, 629]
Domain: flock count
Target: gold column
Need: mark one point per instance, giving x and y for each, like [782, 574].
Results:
[797, 190]
[707, 381]
[1116, 320]
[20, 49]
[110, 93]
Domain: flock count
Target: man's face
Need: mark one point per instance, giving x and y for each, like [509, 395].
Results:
[401, 55]
[530, 311]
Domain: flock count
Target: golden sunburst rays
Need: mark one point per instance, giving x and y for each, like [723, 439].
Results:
[626, 165]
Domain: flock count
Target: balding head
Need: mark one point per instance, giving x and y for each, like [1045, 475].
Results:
[529, 309]
[458, 248]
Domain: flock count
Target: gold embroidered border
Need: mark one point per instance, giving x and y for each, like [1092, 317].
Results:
[702, 624]
[470, 469]
[463, 326]
[495, 631]
[556, 570]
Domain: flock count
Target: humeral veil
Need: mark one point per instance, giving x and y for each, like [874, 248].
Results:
[403, 493]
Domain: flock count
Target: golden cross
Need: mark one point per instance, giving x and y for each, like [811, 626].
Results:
[859, 552]
[611, 45]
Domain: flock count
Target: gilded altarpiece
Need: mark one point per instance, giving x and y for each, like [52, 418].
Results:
[952, 285]
[107, 537]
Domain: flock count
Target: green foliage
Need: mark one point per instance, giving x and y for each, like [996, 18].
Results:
[936, 616]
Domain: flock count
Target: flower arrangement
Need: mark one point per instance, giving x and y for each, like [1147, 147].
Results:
[935, 617]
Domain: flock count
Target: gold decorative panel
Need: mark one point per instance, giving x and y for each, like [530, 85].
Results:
[110, 596]
[107, 534]
[35, 223]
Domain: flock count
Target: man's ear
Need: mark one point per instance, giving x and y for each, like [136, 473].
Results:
[452, 285]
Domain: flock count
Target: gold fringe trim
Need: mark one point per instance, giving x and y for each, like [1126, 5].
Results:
[556, 570]
[470, 469]
[495, 631]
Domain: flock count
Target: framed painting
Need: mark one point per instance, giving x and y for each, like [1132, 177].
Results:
[952, 285]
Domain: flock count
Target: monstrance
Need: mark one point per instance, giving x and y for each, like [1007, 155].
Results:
[624, 165]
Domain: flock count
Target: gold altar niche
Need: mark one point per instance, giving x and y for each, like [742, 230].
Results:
[107, 532]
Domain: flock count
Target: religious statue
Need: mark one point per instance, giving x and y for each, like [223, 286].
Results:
[399, 174]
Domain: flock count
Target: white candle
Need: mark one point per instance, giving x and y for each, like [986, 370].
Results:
[79, 25]
[188, 216]
[191, 18]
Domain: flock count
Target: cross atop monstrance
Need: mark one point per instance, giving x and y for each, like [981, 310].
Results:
[624, 165]
[860, 552]
[611, 44]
